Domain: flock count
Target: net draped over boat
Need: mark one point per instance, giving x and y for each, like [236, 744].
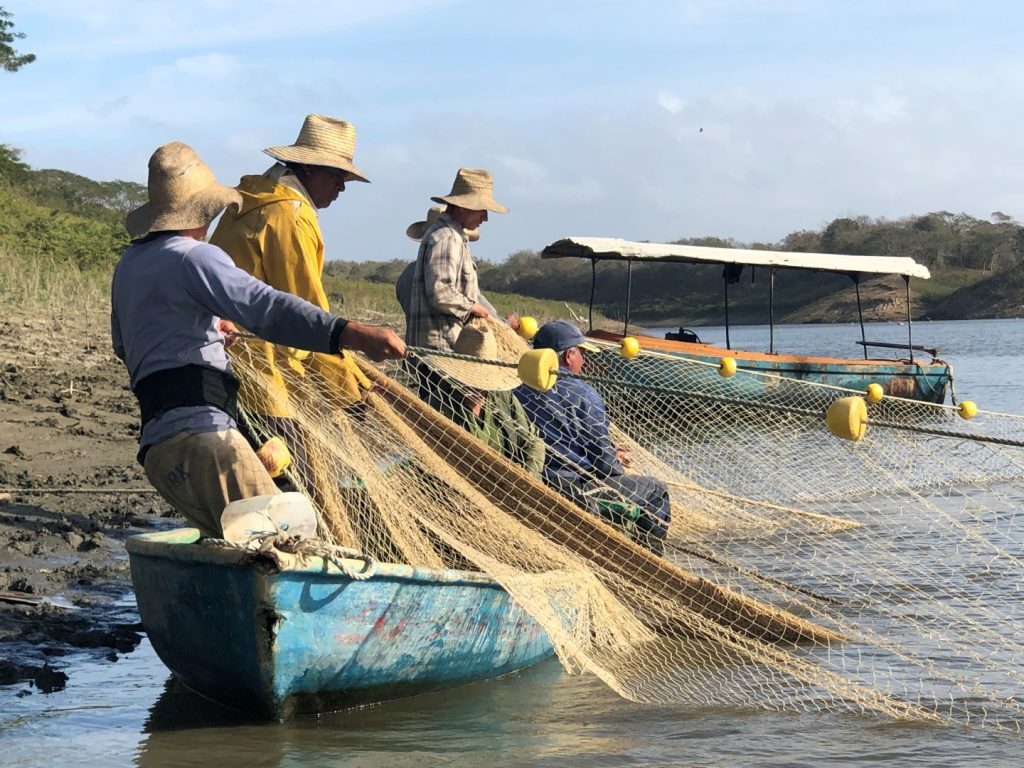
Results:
[801, 571]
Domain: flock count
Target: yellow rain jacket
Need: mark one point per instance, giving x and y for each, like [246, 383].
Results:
[276, 238]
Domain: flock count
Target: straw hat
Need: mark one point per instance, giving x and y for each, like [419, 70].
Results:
[473, 190]
[477, 340]
[323, 141]
[183, 193]
[418, 229]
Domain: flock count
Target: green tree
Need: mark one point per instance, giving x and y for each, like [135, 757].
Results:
[10, 59]
[12, 170]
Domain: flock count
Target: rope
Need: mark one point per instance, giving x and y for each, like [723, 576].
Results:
[293, 545]
[331, 553]
[778, 408]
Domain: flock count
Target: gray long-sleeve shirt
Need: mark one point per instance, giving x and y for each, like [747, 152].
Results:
[166, 296]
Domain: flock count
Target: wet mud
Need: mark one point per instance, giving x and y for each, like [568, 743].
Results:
[71, 492]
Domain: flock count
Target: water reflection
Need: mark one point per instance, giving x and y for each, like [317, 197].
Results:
[536, 717]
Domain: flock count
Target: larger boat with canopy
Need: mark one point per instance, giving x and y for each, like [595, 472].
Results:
[917, 373]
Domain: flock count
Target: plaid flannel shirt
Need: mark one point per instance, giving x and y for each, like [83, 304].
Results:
[444, 287]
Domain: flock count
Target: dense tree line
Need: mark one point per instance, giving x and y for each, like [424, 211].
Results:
[54, 215]
[960, 250]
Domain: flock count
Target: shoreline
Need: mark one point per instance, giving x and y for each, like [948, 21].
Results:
[68, 423]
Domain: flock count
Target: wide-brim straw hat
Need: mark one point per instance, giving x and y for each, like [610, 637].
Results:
[323, 141]
[473, 189]
[477, 340]
[183, 193]
[418, 229]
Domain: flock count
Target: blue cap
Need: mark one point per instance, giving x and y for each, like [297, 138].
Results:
[561, 335]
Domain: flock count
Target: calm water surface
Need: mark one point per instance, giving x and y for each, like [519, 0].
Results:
[987, 356]
[132, 713]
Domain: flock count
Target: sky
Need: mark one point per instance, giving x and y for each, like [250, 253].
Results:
[649, 120]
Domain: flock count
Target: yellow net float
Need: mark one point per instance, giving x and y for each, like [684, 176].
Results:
[629, 347]
[847, 418]
[538, 369]
[874, 393]
[727, 367]
[275, 456]
[527, 327]
[967, 409]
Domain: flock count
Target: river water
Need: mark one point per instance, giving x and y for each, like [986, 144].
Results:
[132, 713]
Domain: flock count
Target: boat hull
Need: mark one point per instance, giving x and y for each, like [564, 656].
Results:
[924, 381]
[282, 642]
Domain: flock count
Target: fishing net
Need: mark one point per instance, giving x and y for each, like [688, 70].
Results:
[800, 571]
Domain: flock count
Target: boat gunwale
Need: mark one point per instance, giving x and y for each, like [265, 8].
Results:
[179, 544]
[671, 346]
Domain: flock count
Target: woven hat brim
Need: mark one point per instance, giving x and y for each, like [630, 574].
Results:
[475, 202]
[195, 211]
[418, 229]
[484, 376]
[311, 156]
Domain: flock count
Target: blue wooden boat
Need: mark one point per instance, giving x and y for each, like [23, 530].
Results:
[916, 377]
[285, 641]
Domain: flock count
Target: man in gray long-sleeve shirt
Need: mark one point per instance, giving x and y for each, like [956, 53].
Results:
[169, 294]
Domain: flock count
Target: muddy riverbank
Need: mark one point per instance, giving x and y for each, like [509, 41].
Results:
[70, 494]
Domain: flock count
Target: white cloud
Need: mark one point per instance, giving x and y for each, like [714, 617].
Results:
[131, 27]
[880, 107]
[208, 65]
[670, 102]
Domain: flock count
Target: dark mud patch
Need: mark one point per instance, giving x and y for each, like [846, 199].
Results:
[69, 497]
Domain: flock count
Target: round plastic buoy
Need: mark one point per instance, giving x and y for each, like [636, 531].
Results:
[968, 409]
[875, 393]
[527, 327]
[847, 418]
[275, 456]
[538, 369]
[727, 366]
[629, 347]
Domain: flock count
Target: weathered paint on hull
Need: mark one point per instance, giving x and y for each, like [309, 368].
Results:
[922, 381]
[302, 640]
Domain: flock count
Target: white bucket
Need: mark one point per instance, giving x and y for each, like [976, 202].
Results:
[285, 514]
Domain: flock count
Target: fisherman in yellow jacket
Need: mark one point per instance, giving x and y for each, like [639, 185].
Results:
[275, 236]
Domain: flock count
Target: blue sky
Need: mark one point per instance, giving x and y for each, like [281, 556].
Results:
[588, 114]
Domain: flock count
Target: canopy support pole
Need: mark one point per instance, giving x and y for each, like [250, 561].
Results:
[860, 313]
[910, 326]
[771, 311]
[593, 285]
[629, 293]
[725, 281]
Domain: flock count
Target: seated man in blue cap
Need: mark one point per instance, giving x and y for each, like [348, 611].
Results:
[581, 462]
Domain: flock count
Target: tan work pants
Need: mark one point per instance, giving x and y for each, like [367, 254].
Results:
[199, 474]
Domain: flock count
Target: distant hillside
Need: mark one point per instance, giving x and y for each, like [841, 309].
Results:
[54, 216]
[56, 219]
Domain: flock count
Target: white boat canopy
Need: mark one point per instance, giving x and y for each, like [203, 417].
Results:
[615, 249]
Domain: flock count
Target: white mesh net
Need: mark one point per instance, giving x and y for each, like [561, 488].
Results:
[800, 571]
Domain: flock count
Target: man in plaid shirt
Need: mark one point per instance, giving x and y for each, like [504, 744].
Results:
[445, 290]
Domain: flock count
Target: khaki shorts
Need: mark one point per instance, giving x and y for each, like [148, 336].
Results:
[199, 474]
